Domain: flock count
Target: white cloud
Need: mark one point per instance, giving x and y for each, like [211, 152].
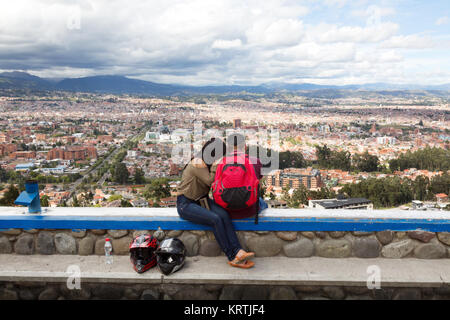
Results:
[412, 41]
[336, 3]
[372, 33]
[319, 53]
[442, 20]
[282, 32]
[226, 44]
[373, 13]
[390, 56]
[204, 42]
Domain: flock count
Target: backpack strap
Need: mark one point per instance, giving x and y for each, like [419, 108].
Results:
[257, 207]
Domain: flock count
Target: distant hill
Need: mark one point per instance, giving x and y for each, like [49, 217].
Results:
[123, 85]
[115, 84]
[305, 86]
[368, 86]
[23, 80]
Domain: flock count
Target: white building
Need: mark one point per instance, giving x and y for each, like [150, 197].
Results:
[151, 136]
[386, 140]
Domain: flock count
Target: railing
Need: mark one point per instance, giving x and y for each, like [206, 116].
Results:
[81, 218]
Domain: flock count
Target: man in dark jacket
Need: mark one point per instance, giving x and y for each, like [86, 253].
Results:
[236, 145]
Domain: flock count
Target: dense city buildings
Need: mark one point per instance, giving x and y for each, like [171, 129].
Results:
[72, 153]
[73, 143]
[294, 177]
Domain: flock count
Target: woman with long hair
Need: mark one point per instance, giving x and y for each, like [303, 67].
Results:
[194, 204]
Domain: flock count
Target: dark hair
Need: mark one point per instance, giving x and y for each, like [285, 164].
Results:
[208, 153]
[235, 140]
[218, 144]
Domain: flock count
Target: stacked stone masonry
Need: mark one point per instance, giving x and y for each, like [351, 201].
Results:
[58, 291]
[332, 244]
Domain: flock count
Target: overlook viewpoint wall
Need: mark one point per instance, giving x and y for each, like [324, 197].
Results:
[297, 233]
[300, 254]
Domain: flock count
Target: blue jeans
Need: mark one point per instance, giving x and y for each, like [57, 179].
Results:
[216, 218]
[262, 205]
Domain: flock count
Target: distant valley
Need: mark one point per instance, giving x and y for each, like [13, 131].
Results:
[123, 85]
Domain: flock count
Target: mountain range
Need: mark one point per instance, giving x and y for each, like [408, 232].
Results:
[123, 85]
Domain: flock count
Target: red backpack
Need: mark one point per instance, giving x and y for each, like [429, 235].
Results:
[235, 185]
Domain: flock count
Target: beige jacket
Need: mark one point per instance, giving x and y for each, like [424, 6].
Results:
[196, 180]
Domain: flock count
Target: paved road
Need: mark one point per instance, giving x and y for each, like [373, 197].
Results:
[93, 171]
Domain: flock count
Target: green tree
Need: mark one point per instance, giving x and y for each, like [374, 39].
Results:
[75, 202]
[298, 197]
[329, 159]
[44, 201]
[440, 184]
[323, 156]
[10, 196]
[420, 188]
[323, 193]
[138, 176]
[288, 159]
[341, 160]
[125, 203]
[3, 175]
[121, 173]
[366, 162]
[384, 192]
[157, 189]
[424, 159]
[15, 177]
[115, 197]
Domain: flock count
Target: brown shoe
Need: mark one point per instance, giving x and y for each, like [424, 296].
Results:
[241, 264]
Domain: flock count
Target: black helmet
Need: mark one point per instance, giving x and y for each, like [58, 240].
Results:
[171, 255]
[142, 252]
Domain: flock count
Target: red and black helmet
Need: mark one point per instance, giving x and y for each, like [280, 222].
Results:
[142, 252]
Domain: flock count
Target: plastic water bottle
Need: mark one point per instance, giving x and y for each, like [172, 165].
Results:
[108, 249]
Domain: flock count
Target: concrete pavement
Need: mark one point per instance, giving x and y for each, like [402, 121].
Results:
[214, 270]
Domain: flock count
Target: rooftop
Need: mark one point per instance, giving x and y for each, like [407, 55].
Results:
[338, 203]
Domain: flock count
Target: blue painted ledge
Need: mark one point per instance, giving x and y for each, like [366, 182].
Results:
[270, 220]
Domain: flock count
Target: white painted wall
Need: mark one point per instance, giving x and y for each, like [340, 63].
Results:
[285, 213]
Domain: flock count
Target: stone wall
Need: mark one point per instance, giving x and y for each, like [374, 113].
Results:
[332, 244]
[59, 291]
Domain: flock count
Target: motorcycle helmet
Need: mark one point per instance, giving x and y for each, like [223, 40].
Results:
[171, 255]
[142, 252]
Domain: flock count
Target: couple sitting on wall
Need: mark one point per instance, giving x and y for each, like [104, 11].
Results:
[234, 182]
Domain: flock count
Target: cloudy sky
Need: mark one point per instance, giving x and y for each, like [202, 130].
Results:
[230, 42]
